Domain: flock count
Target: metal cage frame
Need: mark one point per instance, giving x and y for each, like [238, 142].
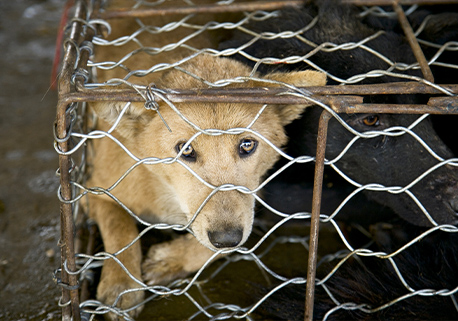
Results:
[342, 99]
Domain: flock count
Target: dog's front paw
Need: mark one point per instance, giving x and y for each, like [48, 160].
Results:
[168, 261]
[163, 264]
[108, 292]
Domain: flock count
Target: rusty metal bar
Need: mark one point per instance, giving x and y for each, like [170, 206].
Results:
[70, 54]
[226, 97]
[325, 94]
[315, 219]
[235, 7]
[447, 103]
[85, 53]
[443, 106]
[64, 181]
[177, 95]
[426, 71]
[69, 283]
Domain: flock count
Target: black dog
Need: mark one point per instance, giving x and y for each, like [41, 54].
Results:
[389, 161]
[369, 283]
[385, 160]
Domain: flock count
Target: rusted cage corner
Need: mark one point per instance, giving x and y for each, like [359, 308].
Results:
[63, 127]
[341, 99]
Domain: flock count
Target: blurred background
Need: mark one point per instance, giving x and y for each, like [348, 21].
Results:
[29, 208]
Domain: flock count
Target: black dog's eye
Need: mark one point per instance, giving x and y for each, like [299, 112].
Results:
[247, 147]
[371, 120]
[188, 153]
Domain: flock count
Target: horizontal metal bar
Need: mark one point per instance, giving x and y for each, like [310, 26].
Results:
[395, 88]
[235, 7]
[340, 104]
[400, 109]
[448, 103]
[195, 96]
[379, 89]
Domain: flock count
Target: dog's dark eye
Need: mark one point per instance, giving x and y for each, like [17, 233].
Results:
[188, 153]
[247, 147]
[371, 120]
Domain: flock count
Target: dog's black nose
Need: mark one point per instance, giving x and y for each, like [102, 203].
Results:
[229, 238]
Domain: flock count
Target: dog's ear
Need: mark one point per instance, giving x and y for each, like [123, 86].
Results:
[134, 118]
[304, 78]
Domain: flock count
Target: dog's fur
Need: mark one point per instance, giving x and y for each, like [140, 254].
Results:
[169, 193]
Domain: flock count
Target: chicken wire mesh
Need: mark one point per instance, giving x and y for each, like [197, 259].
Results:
[239, 284]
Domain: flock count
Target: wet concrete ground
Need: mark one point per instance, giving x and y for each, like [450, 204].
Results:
[29, 208]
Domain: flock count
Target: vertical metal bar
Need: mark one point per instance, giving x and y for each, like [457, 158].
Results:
[69, 281]
[70, 300]
[315, 219]
[68, 64]
[64, 181]
[426, 71]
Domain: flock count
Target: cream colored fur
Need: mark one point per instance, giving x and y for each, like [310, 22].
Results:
[169, 193]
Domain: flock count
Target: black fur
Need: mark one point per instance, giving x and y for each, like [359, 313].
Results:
[390, 161]
[429, 264]
[372, 282]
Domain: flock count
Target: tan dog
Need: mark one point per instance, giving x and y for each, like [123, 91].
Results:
[170, 193]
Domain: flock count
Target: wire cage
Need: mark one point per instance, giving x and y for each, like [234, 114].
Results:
[283, 250]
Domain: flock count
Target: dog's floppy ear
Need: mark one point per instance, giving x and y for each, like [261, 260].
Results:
[299, 79]
[134, 119]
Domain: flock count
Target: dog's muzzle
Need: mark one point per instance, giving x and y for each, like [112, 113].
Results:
[227, 238]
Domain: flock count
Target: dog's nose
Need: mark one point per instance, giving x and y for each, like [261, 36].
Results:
[222, 239]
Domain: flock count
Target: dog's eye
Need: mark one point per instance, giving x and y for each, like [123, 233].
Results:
[188, 153]
[371, 120]
[247, 147]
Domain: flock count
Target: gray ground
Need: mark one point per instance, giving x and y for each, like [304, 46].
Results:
[29, 209]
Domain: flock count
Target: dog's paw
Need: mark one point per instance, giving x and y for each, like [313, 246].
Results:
[162, 265]
[172, 260]
[108, 293]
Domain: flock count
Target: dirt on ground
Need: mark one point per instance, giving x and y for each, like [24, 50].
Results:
[29, 208]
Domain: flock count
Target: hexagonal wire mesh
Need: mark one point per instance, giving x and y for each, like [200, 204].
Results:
[274, 257]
